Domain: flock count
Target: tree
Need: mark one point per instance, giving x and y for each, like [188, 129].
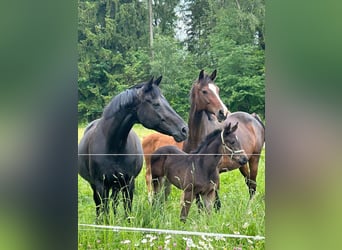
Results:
[239, 56]
[175, 65]
[200, 20]
[112, 45]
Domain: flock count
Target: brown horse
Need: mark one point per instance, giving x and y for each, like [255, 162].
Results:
[196, 173]
[251, 134]
[206, 111]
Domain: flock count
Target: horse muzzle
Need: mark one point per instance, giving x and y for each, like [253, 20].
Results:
[243, 160]
[182, 135]
[221, 115]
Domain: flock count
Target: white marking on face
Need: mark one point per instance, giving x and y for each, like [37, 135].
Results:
[213, 88]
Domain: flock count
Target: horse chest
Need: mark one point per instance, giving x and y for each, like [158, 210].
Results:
[117, 165]
[206, 186]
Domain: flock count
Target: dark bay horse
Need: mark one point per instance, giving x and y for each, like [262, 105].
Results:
[110, 153]
[206, 110]
[196, 173]
[150, 144]
[251, 134]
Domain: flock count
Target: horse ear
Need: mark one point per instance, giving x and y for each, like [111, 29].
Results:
[150, 82]
[201, 75]
[213, 75]
[148, 85]
[235, 127]
[227, 128]
[156, 82]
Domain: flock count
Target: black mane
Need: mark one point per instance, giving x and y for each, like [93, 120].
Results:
[208, 139]
[125, 99]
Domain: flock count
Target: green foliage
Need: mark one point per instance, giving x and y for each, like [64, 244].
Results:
[239, 56]
[174, 64]
[164, 14]
[113, 47]
[113, 53]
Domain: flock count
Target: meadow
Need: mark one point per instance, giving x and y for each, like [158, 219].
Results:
[237, 216]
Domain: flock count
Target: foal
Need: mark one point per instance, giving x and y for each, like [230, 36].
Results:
[195, 173]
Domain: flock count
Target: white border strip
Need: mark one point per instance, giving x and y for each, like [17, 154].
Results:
[166, 231]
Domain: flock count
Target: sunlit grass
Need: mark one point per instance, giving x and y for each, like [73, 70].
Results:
[235, 216]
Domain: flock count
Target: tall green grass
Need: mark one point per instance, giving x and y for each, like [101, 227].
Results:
[237, 216]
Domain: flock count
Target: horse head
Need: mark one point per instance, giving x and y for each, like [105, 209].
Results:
[154, 112]
[232, 144]
[205, 93]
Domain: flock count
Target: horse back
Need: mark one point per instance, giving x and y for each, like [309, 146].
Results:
[162, 155]
[250, 132]
[156, 140]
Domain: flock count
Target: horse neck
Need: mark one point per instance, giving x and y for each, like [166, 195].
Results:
[210, 156]
[117, 127]
[199, 127]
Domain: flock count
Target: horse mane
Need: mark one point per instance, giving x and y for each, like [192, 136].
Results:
[208, 139]
[125, 99]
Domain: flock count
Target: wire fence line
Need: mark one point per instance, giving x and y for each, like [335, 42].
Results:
[169, 231]
[160, 154]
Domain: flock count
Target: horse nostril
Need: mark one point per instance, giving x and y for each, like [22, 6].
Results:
[221, 115]
[243, 161]
[185, 130]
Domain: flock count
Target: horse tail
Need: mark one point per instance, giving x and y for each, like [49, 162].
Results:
[257, 117]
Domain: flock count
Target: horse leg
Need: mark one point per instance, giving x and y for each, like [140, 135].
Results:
[186, 204]
[100, 195]
[128, 196]
[253, 166]
[167, 189]
[209, 200]
[245, 172]
[97, 200]
[157, 184]
[199, 203]
[148, 177]
[115, 199]
[217, 201]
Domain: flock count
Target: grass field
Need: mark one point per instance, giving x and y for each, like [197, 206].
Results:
[236, 216]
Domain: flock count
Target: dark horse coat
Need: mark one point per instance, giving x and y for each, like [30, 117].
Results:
[110, 153]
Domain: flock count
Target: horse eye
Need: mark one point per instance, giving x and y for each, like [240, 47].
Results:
[232, 142]
[156, 104]
[204, 92]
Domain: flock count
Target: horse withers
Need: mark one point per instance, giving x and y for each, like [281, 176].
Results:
[110, 155]
[195, 173]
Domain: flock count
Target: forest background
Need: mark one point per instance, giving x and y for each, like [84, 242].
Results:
[115, 50]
